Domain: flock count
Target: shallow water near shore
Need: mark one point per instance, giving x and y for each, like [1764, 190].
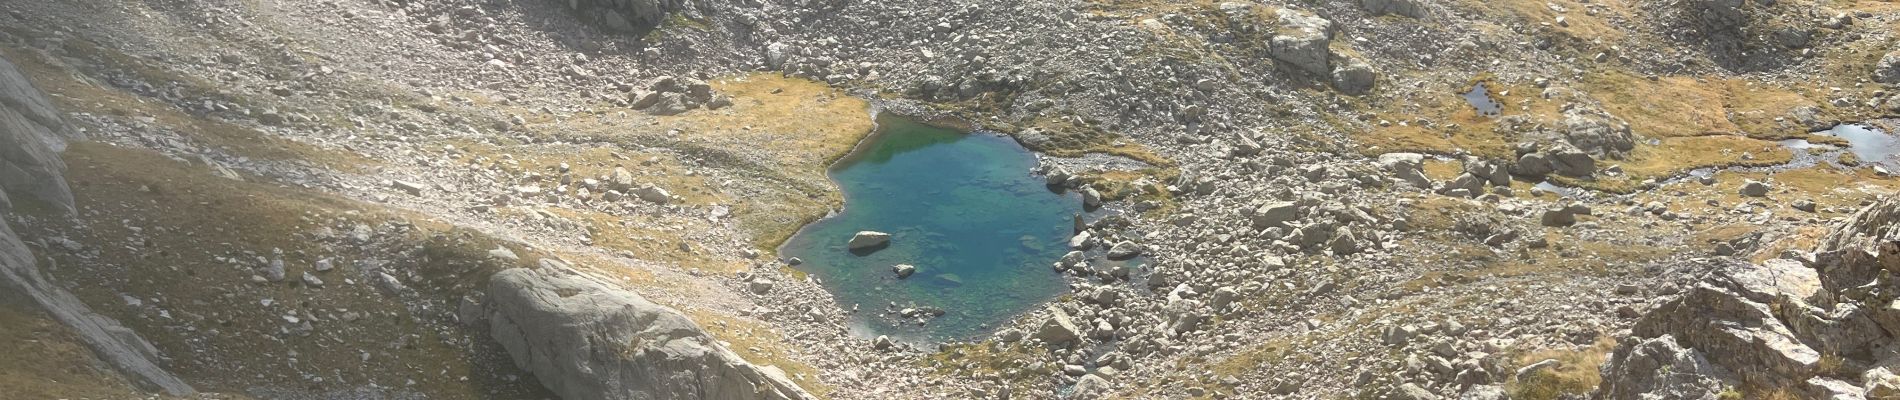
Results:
[961, 207]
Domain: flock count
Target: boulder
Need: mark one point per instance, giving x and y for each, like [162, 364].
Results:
[1124, 250]
[1660, 368]
[1407, 167]
[653, 194]
[1303, 41]
[1572, 162]
[1354, 77]
[1597, 132]
[586, 339]
[868, 240]
[1887, 70]
[1754, 188]
[903, 270]
[1058, 329]
[1275, 214]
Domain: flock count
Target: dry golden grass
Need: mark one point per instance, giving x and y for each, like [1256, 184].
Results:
[1578, 23]
[1575, 375]
[1678, 106]
[45, 360]
[218, 217]
[759, 344]
[72, 93]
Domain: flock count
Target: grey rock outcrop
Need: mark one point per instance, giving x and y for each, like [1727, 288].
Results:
[31, 136]
[1303, 42]
[1887, 70]
[1797, 325]
[868, 240]
[585, 339]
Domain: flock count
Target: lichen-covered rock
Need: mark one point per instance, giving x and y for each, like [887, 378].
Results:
[586, 340]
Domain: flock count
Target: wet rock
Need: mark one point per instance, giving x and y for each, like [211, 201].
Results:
[903, 270]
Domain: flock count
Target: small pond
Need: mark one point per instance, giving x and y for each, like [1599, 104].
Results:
[1480, 98]
[963, 208]
[1869, 143]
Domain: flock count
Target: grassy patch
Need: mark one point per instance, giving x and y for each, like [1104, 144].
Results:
[1576, 374]
[759, 344]
[221, 335]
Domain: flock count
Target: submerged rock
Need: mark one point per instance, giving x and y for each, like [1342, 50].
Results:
[588, 340]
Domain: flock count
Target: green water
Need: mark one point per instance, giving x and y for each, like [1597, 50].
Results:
[963, 208]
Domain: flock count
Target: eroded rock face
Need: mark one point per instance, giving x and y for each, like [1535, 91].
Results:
[1799, 324]
[31, 137]
[586, 340]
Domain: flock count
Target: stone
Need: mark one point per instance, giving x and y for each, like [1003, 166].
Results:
[760, 286]
[1302, 42]
[621, 179]
[868, 240]
[1275, 214]
[587, 339]
[1887, 70]
[414, 189]
[1754, 188]
[1557, 217]
[1407, 167]
[1124, 250]
[1570, 161]
[1058, 329]
[1412, 391]
[1091, 387]
[903, 270]
[653, 194]
[1660, 368]
[311, 279]
[1355, 77]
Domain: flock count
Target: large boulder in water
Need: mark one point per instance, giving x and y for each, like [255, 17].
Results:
[587, 340]
[868, 240]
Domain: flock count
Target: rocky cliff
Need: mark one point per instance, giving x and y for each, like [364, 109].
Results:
[31, 137]
[1814, 325]
[585, 339]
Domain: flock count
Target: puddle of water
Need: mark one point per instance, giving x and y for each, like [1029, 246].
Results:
[1868, 143]
[1480, 99]
[963, 208]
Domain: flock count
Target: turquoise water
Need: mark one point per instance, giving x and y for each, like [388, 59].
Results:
[963, 208]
